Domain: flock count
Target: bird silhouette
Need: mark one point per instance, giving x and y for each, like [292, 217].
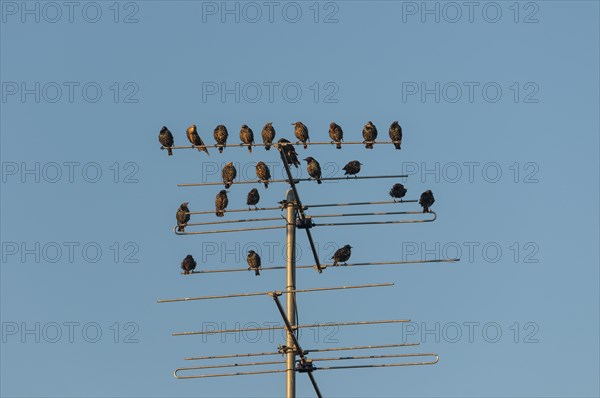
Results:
[221, 202]
[396, 134]
[336, 134]
[253, 260]
[182, 216]
[253, 198]
[342, 255]
[352, 168]
[314, 168]
[221, 135]
[426, 200]
[288, 149]
[263, 173]
[188, 264]
[228, 173]
[247, 136]
[369, 134]
[268, 135]
[398, 191]
[301, 132]
[194, 138]
[166, 139]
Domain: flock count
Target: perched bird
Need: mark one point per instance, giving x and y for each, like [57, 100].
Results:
[398, 191]
[301, 132]
[253, 198]
[166, 139]
[229, 173]
[314, 168]
[268, 135]
[352, 168]
[221, 202]
[341, 255]
[188, 264]
[192, 135]
[263, 173]
[247, 136]
[426, 200]
[182, 216]
[336, 134]
[221, 135]
[369, 134]
[290, 152]
[253, 260]
[396, 134]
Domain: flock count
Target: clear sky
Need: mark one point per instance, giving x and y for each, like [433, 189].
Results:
[499, 106]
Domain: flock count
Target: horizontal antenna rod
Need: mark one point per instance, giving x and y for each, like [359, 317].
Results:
[374, 357]
[277, 293]
[258, 372]
[309, 351]
[323, 266]
[222, 231]
[296, 180]
[229, 365]
[242, 145]
[314, 325]
[382, 365]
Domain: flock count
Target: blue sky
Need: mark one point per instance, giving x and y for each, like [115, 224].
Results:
[499, 107]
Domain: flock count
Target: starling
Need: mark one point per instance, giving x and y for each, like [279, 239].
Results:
[192, 135]
[396, 134]
[369, 134]
[182, 216]
[247, 136]
[301, 132]
[263, 173]
[221, 202]
[426, 200]
[221, 135]
[290, 152]
[336, 134]
[398, 191]
[268, 135]
[229, 172]
[352, 168]
[188, 264]
[314, 168]
[166, 139]
[253, 198]
[341, 255]
[253, 260]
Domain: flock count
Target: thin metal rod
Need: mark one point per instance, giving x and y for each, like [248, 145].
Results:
[337, 224]
[306, 352]
[236, 210]
[315, 386]
[258, 144]
[383, 365]
[258, 372]
[409, 355]
[222, 231]
[229, 365]
[388, 202]
[288, 291]
[314, 325]
[296, 180]
[192, 224]
[324, 266]
[377, 213]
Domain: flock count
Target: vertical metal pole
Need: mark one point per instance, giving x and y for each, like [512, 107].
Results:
[291, 297]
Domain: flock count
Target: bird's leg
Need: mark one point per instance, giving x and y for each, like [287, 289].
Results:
[255, 207]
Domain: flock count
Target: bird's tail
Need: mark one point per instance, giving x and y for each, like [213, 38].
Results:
[338, 145]
[250, 148]
[369, 145]
[220, 213]
[256, 272]
[335, 262]
[397, 145]
[266, 184]
[425, 209]
[305, 145]
[170, 151]
[220, 149]
[180, 228]
[205, 149]
[227, 185]
[319, 181]
[267, 146]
